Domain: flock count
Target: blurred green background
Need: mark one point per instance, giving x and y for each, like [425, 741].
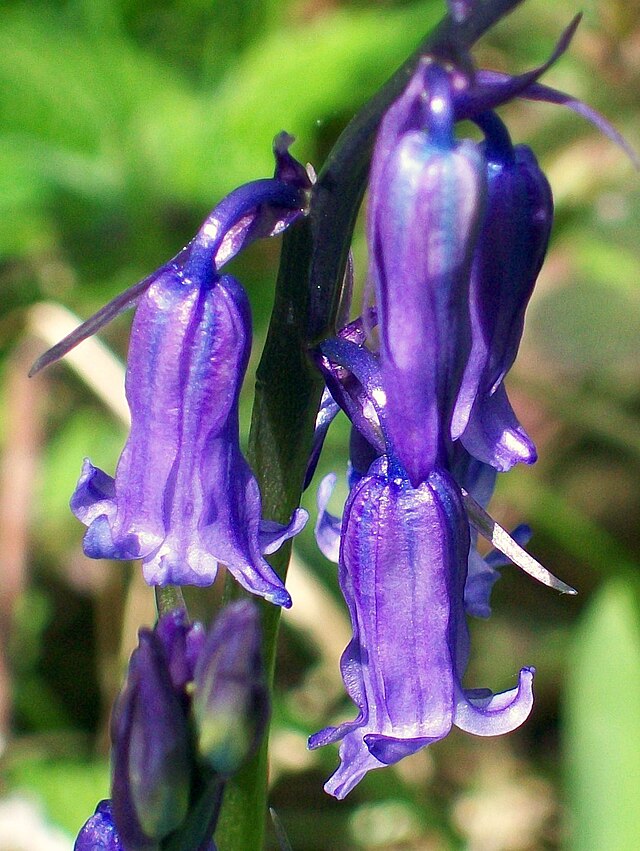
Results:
[122, 122]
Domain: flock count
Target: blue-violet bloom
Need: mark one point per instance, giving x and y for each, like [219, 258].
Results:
[99, 832]
[426, 202]
[403, 567]
[184, 498]
[507, 260]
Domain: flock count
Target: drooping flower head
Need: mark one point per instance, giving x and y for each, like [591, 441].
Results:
[427, 195]
[457, 234]
[184, 498]
[403, 564]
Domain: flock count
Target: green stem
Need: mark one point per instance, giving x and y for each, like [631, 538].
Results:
[169, 598]
[288, 388]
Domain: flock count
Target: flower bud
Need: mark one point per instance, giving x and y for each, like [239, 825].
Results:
[99, 832]
[151, 753]
[230, 698]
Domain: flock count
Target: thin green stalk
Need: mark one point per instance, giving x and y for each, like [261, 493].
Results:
[288, 388]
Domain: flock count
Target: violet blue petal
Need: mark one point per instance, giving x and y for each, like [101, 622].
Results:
[483, 573]
[400, 568]
[99, 832]
[490, 89]
[327, 530]
[494, 435]
[353, 377]
[184, 497]
[424, 213]
[182, 642]
[547, 94]
[507, 260]
[499, 713]
[272, 535]
[326, 414]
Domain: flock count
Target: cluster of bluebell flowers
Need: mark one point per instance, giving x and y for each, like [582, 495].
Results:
[457, 233]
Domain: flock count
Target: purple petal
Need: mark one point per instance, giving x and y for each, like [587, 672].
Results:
[184, 497]
[388, 750]
[507, 260]
[490, 89]
[327, 529]
[494, 435]
[498, 714]
[326, 414]
[353, 377]
[399, 565]
[425, 207]
[272, 535]
[99, 833]
[151, 750]
[480, 581]
[182, 642]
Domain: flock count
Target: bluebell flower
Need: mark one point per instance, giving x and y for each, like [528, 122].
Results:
[403, 567]
[184, 498]
[426, 203]
[409, 576]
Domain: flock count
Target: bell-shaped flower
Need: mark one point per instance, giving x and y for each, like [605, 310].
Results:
[403, 566]
[184, 498]
[508, 257]
[426, 204]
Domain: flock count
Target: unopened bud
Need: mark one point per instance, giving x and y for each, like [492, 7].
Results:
[230, 699]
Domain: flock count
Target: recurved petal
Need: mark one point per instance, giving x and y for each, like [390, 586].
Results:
[272, 535]
[495, 714]
[494, 435]
[327, 530]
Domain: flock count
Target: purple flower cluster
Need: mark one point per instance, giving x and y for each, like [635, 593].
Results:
[187, 692]
[457, 233]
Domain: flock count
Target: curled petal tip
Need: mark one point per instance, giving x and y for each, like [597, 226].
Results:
[486, 714]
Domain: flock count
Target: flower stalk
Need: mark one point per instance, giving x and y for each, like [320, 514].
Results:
[288, 389]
